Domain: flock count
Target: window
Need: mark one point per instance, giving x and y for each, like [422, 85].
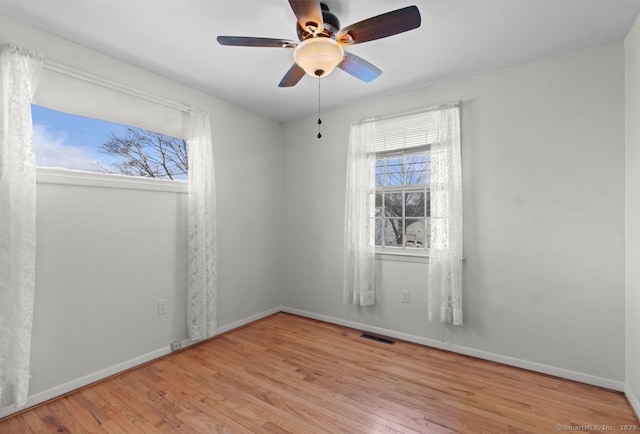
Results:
[402, 200]
[89, 123]
[402, 147]
[75, 142]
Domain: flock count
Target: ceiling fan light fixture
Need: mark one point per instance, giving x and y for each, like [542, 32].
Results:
[318, 56]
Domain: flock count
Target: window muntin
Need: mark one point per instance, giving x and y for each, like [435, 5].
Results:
[68, 141]
[402, 200]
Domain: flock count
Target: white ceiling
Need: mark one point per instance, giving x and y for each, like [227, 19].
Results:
[177, 39]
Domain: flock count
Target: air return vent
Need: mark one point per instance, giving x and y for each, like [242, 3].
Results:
[378, 338]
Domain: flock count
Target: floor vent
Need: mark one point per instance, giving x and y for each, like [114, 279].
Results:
[377, 338]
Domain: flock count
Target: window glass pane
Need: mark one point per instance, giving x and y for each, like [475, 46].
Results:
[379, 173]
[428, 204]
[415, 233]
[378, 204]
[394, 171]
[414, 205]
[393, 204]
[416, 168]
[378, 232]
[393, 232]
[428, 233]
[74, 142]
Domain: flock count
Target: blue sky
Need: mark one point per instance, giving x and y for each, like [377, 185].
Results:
[70, 141]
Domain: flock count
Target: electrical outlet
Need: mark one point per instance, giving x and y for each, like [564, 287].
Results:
[162, 307]
[406, 296]
[175, 346]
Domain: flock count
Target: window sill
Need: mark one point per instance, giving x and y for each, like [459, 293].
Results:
[421, 257]
[48, 175]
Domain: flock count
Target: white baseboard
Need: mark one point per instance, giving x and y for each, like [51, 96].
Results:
[511, 361]
[245, 321]
[62, 389]
[633, 400]
[65, 388]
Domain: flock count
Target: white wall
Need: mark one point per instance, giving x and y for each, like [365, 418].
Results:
[632, 216]
[543, 174]
[106, 256]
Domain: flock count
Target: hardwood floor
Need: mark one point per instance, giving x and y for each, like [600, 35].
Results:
[291, 374]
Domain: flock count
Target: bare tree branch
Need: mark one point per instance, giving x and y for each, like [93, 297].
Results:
[145, 153]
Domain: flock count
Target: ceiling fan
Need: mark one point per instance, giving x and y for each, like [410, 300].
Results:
[322, 40]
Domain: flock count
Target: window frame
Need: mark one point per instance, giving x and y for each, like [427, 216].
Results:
[70, 176]
[55, 175]
[397, 252]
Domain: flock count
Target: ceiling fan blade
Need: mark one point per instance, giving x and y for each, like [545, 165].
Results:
[247, 41]
[359, 68]
[381, 26]
[308, 13]
[292, 77]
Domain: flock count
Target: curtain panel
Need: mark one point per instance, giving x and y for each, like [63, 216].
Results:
[359, 249]
[445, 255]
[19, 72]
[203, 274]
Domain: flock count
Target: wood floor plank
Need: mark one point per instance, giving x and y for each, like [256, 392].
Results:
[32, 420]
[19, 425]
[288, 374]
[49, 419]
[82, 412]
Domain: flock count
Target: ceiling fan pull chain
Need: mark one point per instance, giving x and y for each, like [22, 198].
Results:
[319, 120]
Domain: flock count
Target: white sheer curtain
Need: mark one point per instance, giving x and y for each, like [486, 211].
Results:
[19, 71]
[445, 257]
[202, 231]
[359, 249]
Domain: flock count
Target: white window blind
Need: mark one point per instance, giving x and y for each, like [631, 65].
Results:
[412, 130]
[71, 91]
